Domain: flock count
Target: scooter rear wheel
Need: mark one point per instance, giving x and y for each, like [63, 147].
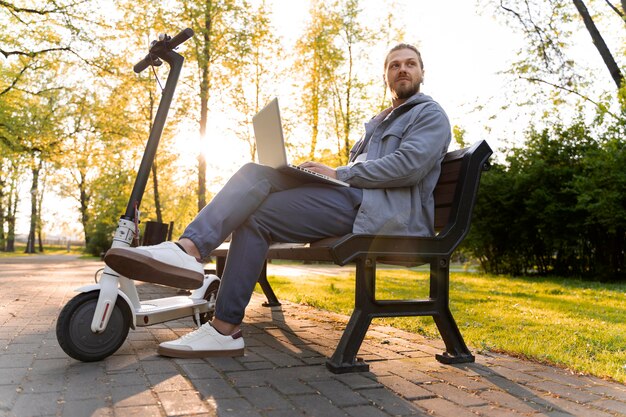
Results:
[210, 295]
[74, 328]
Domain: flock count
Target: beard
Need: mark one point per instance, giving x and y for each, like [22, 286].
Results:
[404, 91]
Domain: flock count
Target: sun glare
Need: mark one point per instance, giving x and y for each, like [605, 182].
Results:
[224, 153]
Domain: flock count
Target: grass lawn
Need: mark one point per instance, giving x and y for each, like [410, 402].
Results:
[47, 250]
[571, 323]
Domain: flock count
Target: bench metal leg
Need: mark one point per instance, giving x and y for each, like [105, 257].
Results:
[456, 349]
[344, 359]
[272, 300]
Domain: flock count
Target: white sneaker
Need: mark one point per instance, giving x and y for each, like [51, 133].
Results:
[203, 343]
[165, 264]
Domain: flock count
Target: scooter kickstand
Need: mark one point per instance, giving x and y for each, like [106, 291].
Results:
[196, 315]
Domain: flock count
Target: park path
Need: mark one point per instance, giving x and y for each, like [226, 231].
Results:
[282, 373]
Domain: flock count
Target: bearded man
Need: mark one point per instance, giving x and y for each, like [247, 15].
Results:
[392, 172]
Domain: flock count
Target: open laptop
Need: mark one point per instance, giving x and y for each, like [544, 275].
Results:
[270, 146]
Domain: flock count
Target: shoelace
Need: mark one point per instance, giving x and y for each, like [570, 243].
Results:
[201, 329]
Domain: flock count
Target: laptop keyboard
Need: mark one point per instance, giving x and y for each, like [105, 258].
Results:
[309, 171]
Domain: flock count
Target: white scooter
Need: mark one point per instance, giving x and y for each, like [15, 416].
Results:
[95, 323]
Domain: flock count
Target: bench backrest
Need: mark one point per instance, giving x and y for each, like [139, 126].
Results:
[456, 189]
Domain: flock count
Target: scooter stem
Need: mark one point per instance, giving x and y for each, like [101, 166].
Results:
[176, 63]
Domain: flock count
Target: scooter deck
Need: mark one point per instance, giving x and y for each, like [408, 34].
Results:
[171, 308]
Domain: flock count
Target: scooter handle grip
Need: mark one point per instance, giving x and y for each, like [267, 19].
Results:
[181, 37]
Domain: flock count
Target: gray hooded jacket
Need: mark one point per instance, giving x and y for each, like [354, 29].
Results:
[402, 166]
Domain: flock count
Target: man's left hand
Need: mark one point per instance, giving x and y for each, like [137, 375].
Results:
[319, 168]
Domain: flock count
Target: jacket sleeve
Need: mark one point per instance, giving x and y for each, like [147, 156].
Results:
[423, 144]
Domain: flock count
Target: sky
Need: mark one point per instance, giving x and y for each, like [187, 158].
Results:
[463, 50]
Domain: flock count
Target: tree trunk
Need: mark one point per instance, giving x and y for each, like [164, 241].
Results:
[2, 212]
[39, 221]
[204, 63]
[598, 41]
[11, 210]
[30, 244]
[84, 204]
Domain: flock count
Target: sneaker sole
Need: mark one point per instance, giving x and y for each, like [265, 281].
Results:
[144, 268]
[194, 354]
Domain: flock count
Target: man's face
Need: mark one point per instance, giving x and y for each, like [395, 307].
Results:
[403, 74]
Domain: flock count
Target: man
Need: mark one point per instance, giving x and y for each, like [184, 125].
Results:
[392, 173]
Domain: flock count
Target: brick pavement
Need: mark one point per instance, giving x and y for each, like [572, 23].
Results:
[282, 373]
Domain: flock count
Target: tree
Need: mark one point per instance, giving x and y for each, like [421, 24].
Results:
[220, 38]
[257, 75]
[319, 58]
[548, 28]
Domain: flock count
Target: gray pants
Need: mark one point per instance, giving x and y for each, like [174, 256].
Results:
[260, 205]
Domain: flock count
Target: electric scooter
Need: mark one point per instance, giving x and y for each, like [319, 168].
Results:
[95, 323]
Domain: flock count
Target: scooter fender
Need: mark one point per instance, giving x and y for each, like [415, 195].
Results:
[98, 287]
[198, 294]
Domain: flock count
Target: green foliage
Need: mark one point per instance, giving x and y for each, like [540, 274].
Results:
[558, 207]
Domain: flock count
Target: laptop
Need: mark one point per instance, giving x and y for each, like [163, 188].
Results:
[270, 146]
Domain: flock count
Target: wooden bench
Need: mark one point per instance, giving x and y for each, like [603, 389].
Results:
[455, 194]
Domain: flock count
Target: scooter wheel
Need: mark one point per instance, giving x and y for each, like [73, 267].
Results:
[209, 295]
[74, 328]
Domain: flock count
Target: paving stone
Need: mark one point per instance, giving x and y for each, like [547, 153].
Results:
[389, 402]
[170, 383]
[564, 405]
[317, 405]
[12, 376]
[215, 388]
[131, 396]
[358, 381]
[234, 407]
[8, 394]
[93, 407]
[506, 400]
[265, 398]
[339, 394]
[16, 360]
[564, 391]
[177, 403]
[225, 364]
[611, 405]
[38, 404]
[125, 379]
[199, 370]
[365, 411]
[138, 411]
[405, 389]
[35, 383]
[442, 407]
[455, 394]
[497, 411]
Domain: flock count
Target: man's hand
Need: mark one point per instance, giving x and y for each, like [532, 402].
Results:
[320, 168]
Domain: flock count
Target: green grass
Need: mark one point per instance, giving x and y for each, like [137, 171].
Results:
[570, 323]
[47, 250]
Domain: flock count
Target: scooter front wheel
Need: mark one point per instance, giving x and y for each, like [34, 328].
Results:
[74, 328]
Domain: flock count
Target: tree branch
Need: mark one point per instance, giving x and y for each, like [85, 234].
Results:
[569, 90]
[33, 54]
[616, 10]
[598, 41]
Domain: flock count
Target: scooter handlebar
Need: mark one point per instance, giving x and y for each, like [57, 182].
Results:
[182, 36]
[170, 44]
